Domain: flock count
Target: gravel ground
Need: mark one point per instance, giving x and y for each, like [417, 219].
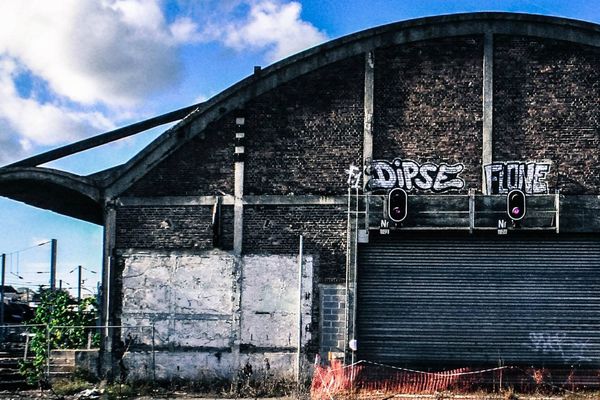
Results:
[48, 395]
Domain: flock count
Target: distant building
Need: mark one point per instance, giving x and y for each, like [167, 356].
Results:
[10, 294]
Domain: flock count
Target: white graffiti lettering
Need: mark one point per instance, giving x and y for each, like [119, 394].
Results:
[559, 343]
[354, 176]
[410, 175]
[530, 177]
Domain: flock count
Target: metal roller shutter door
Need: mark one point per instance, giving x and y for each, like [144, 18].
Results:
[473, 301]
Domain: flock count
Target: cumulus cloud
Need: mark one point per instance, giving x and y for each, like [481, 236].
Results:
[113, 52]
[28, 122]
[97, 60]
[273, 26]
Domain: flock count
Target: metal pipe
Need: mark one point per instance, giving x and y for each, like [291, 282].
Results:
[2, 289]
[300, 265]
[347, 313]
[153, 354]
[354, 271]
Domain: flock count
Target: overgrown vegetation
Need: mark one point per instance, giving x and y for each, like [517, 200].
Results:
[61, 327]
[70, 386]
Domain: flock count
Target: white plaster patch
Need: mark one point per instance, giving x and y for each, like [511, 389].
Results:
[202, 285]
[281, 365]
[187, 298]
[270, 300]
[195, 333]
[146, 283]
[177, 364]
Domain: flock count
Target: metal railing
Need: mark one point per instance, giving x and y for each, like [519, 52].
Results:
[17, 339]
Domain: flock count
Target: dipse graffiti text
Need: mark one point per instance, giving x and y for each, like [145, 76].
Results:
[410, 175]
[529, 177]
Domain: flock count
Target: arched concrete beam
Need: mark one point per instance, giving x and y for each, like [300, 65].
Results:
[58, 191]
[393, 34]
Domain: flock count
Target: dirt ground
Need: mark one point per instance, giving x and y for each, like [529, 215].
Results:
[47, 395]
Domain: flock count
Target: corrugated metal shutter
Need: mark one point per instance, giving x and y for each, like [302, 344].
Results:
[476, 301]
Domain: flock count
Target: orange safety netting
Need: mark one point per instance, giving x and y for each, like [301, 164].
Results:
[370, 380]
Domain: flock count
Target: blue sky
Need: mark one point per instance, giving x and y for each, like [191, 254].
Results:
[71, 69]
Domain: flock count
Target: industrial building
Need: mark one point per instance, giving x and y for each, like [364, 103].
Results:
[260, 229]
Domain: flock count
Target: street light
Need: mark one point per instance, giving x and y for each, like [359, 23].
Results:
[79, 280]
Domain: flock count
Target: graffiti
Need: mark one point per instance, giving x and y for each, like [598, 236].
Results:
[354, 176]
[410, 175]
[530, 177]
[559, 343]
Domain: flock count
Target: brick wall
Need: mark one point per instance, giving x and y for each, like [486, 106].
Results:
[304, 134]
[333, 318]
[546, 107]
[428, 103]
[276, 230]
[204, 166]
[164, 227]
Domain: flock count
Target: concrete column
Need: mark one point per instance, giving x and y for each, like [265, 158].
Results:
[488, 104]
[238, 207]
[238, 235]
[368, 112]
[109, 296]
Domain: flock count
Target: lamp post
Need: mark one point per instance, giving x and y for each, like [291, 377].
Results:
[79, 268]
[53, 264]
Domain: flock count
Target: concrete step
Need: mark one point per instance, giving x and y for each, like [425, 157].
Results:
[56, 375]
[65, 368]
[14, 385]
[9, 363]
[10, 376]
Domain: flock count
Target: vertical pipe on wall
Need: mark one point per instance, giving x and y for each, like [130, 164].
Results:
[488, 105]
[557, 209]
[2, 289]
[299, 352]
[354, 268]
[348, 263]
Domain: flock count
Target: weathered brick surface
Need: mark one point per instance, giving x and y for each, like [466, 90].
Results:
[428, 103]
[164, 227]
[276, 230]
[226, 228]
[546, 107]
[304, 134]
[204, 166]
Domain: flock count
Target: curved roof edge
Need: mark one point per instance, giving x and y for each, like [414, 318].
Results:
[59, 191]
[338, 49]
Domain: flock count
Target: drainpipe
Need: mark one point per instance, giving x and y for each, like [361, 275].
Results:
[299, 353]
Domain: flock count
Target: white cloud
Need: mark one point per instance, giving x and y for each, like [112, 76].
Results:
[185, 30]
[93, 62]
[272, 25]
[114, 52]
[39, 123]
[275, 26]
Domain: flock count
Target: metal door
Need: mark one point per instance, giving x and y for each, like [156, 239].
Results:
[479, 301]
